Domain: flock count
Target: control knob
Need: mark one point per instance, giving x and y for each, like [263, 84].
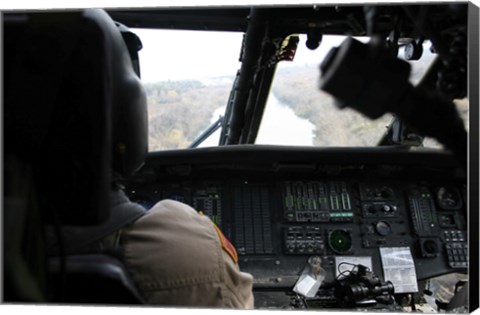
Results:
[383, 228]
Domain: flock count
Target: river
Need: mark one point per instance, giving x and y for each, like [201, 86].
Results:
[279, 126]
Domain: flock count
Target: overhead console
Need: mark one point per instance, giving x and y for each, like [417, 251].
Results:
[279, 213]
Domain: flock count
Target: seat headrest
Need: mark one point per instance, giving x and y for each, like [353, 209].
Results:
[74, 108]
[129, 109]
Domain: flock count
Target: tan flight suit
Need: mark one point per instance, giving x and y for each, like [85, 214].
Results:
[178, 258]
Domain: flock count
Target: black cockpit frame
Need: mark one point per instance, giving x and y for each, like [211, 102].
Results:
[265, 28]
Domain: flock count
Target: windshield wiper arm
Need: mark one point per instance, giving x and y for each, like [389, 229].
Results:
[213, 127]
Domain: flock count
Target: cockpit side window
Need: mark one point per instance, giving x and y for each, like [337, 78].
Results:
[188, 76]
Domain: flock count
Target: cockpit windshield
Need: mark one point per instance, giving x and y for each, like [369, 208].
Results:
[188, 76]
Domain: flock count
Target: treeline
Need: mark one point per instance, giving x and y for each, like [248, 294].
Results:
[180, 110]
[298, 88]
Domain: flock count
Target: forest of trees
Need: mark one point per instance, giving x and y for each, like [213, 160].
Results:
[298, 88]
[180, 110]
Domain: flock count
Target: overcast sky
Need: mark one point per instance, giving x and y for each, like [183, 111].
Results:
[179, 55]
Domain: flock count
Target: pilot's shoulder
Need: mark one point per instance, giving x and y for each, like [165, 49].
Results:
[169, 207]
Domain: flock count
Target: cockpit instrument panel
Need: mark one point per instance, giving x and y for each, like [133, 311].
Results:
[285, 220]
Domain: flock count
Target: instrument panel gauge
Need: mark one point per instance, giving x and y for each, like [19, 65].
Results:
[448, 198]
[383, 228]
[340, 241]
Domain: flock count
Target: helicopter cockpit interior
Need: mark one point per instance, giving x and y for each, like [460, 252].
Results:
[331, 144]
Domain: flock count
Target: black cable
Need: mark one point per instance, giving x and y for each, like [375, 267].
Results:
[412, 302]
[346, 263]
[341, 273]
